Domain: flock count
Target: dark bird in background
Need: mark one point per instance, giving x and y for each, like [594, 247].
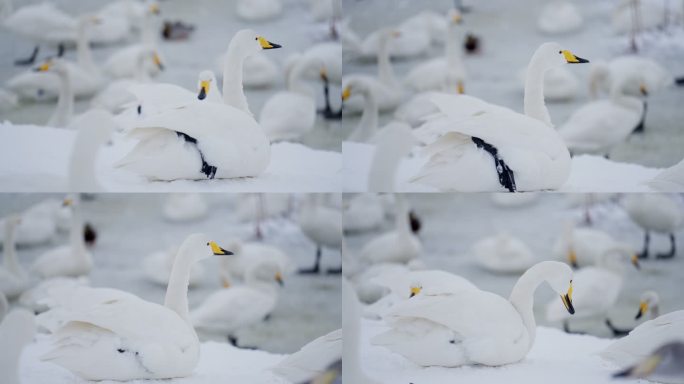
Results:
[89, 234]
[472, 44]
[415, 222]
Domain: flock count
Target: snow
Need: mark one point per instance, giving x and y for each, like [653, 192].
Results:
[588, 173]
[219, 363]
[43, 166]
[556, 357]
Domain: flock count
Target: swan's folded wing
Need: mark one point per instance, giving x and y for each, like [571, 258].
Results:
[161, 95]
[313, 359]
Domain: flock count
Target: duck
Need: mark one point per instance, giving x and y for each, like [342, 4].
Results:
[323, 226]
[496, 332]
[473, 134]
[34, 299]
[649, 302]
[184, 207]
[228, 310]
[351, 326]
[123, 62]
[290, 114]
[387, 90]
[662, 365]
[644, 339]
[258, 10]
[502, 253]
[599, 126]
[654, 212]
[70, 260]
[312, 360]
[86, 77]
[13, 278]
[363, 213]
[397, 246]
[606, 277]
[139, 339]
[17, 331]
[437, 74]
[205, 140]
[246, 255]
[157, 267]
[581, 247]
[558, 17]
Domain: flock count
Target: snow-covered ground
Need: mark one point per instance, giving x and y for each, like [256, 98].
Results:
[30, 165]
[131, 226]
[509, 35]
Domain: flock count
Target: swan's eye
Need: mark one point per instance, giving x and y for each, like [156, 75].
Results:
[561, 52]
[256, 38]
[207, 243]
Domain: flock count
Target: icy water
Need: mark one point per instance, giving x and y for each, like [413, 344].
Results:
[452, 224]
[131, 227]
[508, 34]
[215, 23]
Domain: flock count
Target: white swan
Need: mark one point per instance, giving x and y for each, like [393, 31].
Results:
[183, 207]
[351, 328]
[509, 150]
[559, 17]
[503, 253]
[330, 53]
[581, 247]
[42, 23]
[394, 141]
[322, 225]
[636, 72]
[246, 255]
[648, 303]
[655, 212]
[205, 140]
[363, 276]
[441, 74]
[415, 36]
[597, 288]
[17, 330]
[287, 115]
[645, 338]
[599, 126]
[138, 338]
[387, 89]
[397, 246]
[228, 310]
[86, 78]
[67, 260]
[258, 10]
[36, 227]
[363, 212]
[13, 278]
[158, 267]
[662, 365]
[132, 10]
[259, 71]
[312, 359]
[494, 331]
[123, 63]
[34, 298]
[651, 14]
[669, 179]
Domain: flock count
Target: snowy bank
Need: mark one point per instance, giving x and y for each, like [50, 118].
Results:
[35, 159]
[589, 173]
[556, 357]
[219, 363]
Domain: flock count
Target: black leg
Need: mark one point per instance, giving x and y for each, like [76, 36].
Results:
[29, 60]
[334, 271]
[616, 331]
[317, 265]
[60, 50]
[672, 251]
[644, 252]
[233, 341]
[328, 112]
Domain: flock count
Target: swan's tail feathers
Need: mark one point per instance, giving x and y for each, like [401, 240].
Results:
[150, 140]
[312, 360]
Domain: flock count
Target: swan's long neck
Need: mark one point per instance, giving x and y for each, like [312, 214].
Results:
[534, 91]
[65, 103]
[385, 71]
[76, 239]
[177, 291]
[295, 82]
[9, 247]
[84, 55]
[89, 140]
[618, 97]
[452, 48]
[233, 94]
[141, 74]
[369, 119]
[522, 297]
[148, 38]
[389, 151]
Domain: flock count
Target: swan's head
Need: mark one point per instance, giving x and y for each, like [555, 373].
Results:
[550, 55]
[415, 289]
[353, 87]
[57, 66]
[153, 8]
[249, 42]
[267, 271]
[206, 80]
[559, 277]
[454, 17]
[649, 299]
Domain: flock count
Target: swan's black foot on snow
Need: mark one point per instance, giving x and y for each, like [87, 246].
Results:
[506, 176]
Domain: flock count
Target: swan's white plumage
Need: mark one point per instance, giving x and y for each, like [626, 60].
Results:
[258, 10]
[13, 278]
[654, 212]
[182, 207]
[312, 359]
[503, 253]
[559, 17]
[363, 212]
[17, 330]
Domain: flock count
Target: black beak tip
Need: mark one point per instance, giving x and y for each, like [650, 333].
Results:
[228, 253]
[638, 316]
[161, 66]
[623, 373]
[581, 60]
[274, 45]
[412, 294]
[202, 94]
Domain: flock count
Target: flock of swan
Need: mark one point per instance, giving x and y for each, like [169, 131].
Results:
[432, 317]
[167, 132]
[150, 339]
[466, 143]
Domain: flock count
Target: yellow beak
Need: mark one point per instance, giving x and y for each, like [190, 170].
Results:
[279, 279]
[643, 89]
[572, 59]
[346, 93]
[204, 89]
[415, 291]
[643, 307]
[217, 250]
[567, 300]
[635, 261]
[456, 19]
[572, 258]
